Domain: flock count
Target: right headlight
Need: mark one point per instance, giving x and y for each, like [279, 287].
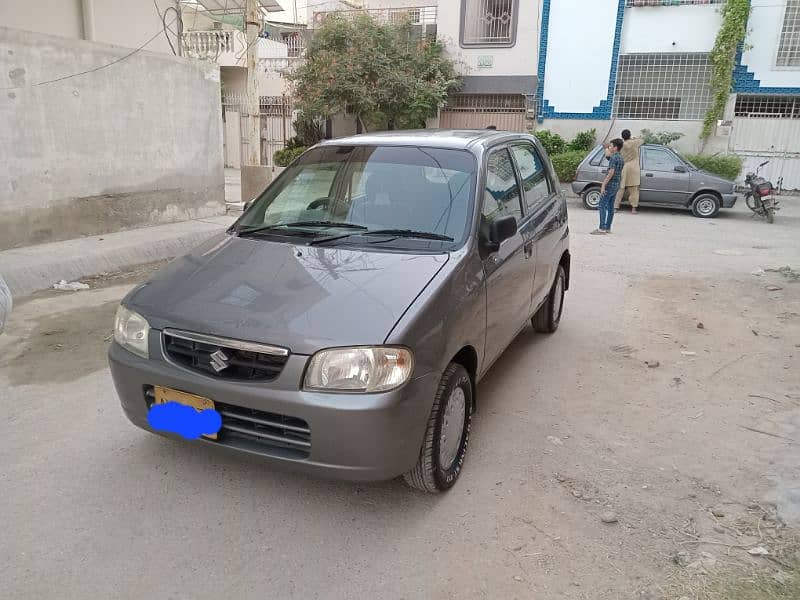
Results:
[131, 331]
[359, 370]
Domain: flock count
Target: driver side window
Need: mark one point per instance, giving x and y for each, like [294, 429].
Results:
[501, 197]
[659, 160]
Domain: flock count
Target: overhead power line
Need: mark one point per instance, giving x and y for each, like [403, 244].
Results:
[95, 69]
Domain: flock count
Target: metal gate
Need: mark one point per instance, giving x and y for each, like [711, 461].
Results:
[478, 111]
[276, 127]
[768, 128]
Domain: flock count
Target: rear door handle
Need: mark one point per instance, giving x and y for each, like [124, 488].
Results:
[648, 174]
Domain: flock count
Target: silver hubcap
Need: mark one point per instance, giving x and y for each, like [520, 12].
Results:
[593, 199]
[558, 299]
[452, 428]
[705, 206]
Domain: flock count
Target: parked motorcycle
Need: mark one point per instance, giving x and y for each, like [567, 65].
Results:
[761, 197]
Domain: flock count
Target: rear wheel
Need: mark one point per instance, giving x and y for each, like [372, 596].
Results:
[706, 206]
[770, 210]
[548, 316]
[591, 198]
[447, 435]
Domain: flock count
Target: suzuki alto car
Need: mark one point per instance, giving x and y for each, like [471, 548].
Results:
[341, 325]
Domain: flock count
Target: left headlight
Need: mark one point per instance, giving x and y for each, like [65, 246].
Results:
[131, 331]
[359, 370]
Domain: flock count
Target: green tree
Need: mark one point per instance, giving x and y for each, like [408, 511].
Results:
[377, 72]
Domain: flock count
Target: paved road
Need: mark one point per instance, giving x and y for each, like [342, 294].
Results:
[569, 426]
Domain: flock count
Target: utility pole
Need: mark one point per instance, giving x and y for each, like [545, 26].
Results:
[254, 177]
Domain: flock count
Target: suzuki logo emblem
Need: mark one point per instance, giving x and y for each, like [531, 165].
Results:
[219, 361]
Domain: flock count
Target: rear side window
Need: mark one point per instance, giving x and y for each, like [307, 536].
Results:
[599, 159]
[535, 186]
[501, 197]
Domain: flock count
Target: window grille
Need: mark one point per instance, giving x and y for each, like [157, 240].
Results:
[633, 3]
[767, 106]
[487, 103]
[488, 22]
[663, 86]
[789, 43]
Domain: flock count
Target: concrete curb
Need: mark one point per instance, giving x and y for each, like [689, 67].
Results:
[34, 268]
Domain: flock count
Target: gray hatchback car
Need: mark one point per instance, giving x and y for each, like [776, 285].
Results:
[668, 180]
[343, 322]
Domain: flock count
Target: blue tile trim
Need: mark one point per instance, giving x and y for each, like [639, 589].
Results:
[745, 82]
[602, 110]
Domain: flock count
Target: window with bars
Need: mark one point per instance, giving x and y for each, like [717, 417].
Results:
[632, 3]
[789, 43]
[500, 103]
[489, 22]
[767, 106]
[663, 86]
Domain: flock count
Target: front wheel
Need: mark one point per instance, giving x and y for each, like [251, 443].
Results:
[548, 317]
[447, 435]
[591, 198]
[752, 203]
[706, 206]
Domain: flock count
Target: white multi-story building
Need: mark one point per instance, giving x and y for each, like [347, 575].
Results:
[572, 65]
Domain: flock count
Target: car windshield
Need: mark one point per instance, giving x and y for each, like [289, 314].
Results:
[365, 194]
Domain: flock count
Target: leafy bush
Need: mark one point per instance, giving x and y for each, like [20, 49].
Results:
[283, 158]
[552, 142]
[725, 165]
[566, 164]
[665, 138]
[583, 141]
[308, 130]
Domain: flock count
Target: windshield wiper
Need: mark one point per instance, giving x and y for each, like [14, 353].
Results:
[296, 224]
[410, 233]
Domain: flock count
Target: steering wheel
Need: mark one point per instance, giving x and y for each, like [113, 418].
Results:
[319, 203]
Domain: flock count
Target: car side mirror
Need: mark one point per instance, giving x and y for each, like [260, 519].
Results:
[500, 230]
[680, 169]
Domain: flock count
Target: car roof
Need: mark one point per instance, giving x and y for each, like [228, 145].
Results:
[459, 139]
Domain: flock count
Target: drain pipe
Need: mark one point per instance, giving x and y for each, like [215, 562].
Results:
[87, 11]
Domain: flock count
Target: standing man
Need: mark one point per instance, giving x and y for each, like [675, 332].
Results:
[608, 191]
[631, 173]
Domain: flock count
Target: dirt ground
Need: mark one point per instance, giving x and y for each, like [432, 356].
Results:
[667, 403]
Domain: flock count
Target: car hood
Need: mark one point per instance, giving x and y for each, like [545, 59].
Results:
[300, 297]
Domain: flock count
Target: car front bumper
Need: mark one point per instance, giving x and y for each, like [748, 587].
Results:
[728, 200]
[352, 436]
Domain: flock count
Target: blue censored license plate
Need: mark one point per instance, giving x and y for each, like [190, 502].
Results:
[199, 403]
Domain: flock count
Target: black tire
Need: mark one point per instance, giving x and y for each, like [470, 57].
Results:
[548, 317]
[429, 475]
[750, 200]
[591, 198]
[770, 214]
[706, 206]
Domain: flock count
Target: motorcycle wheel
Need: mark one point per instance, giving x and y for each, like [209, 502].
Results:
[752, 203]
[770, 214]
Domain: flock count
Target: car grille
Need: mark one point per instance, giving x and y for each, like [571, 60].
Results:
[258, 430]
[223, 358]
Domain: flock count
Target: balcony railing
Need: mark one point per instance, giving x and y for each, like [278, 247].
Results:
[224, 47]
[416, 15]
[281, 65]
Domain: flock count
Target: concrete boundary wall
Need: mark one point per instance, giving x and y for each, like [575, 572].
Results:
[133, 144]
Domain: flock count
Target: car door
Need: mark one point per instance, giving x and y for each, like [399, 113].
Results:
[665, 178]
[543, 217]
[509, 270]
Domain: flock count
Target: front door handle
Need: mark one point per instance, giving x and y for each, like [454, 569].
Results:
[648, 174]
[527, 249]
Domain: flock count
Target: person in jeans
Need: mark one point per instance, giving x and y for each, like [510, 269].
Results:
[631, 173]
[610, 187]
